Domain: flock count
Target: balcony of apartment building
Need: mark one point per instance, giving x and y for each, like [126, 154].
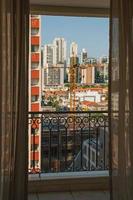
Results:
[35, 42]
[74, 155]
[35, 57]
[34, 25]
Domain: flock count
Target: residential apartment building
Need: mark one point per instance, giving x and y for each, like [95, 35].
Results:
[104, 61]
[48, 54]
[73, 49]
[84, 56]
[100, 71]
[34, 90]
[59, 52]
[88, 72]
[74, 60]
[54, 62]
[88, 75]
[53, 75]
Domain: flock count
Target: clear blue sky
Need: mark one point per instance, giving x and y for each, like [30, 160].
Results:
[89, 33]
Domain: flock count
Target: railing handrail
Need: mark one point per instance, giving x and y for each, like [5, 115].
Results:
[60, 129]
[67, 112]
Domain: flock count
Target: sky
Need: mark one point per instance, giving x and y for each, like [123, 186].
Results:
[89, 33]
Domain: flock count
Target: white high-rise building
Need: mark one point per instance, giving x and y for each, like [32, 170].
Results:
[55, 53]
[73, 49]
[83, 56]
[54, 62]
[48, 54]
[59, 53]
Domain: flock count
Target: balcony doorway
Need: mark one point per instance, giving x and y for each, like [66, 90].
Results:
[68, 89]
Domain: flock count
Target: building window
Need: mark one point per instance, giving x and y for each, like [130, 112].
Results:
[34, 48]
[34, 31]
[34, 98]
[34, 81]
[34, 147]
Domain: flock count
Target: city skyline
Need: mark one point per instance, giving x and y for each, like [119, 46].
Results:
[93, 34]
[73, 50]
[55, 63]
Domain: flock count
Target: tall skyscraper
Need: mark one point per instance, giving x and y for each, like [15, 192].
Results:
[74, 60]
[54, 75]
[54, 62]
[83, 56]
[88, 75]
[73, 50]
[84, 72]
[48, 54]
[59, 52]
[35, 89]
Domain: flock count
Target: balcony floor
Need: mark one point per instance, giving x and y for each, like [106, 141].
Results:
[80, 195]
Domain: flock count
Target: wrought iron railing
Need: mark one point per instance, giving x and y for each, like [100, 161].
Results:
[68, 141]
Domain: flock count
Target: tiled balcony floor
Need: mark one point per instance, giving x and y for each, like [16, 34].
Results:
[81, 195]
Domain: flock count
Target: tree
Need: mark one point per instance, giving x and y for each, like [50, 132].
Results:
[52, 101]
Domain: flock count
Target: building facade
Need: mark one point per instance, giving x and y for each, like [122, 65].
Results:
[74, 60]
[48, 54]
[73, 49]
[88, 75]
[84, 56]
[53, 75]
[59, 52]
[54, 63]
[34, 90]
